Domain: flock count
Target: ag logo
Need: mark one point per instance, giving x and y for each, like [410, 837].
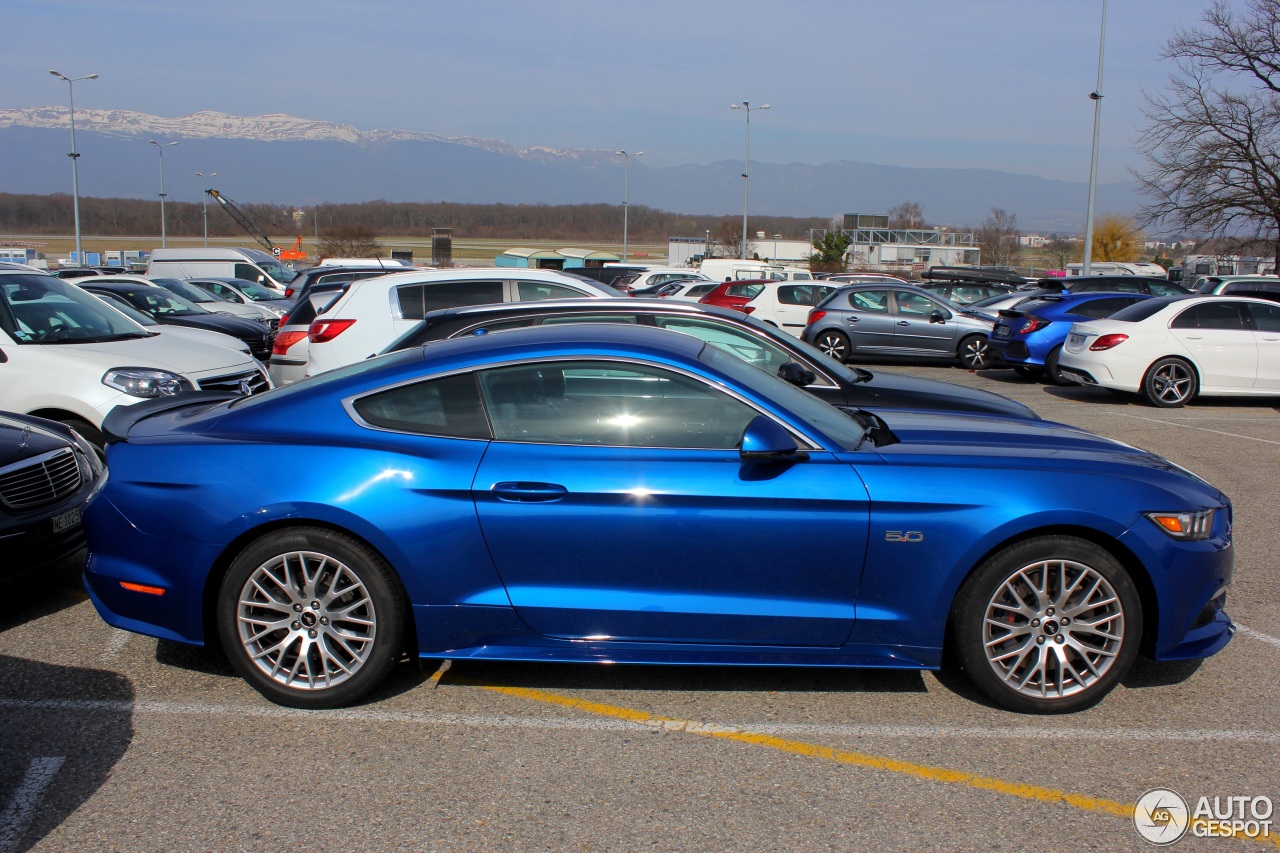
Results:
[1161, 816]
[903, 536]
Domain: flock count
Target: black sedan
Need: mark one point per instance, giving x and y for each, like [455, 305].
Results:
[167, 307]
[751, 340]
[47, 472]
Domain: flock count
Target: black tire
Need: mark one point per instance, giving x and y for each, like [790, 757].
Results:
[1026, 371]
[1044, 642]
[1170, 383]
[1052, 374]
[834, 343]
[351, 583]
[974, 352]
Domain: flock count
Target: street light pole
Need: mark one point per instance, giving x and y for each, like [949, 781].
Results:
[164, 241]
[746, 167]
[1096, 95]
[75, 156]
[626, 195]
[204, 204]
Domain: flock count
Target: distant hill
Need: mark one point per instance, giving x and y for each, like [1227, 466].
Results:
[288, 160]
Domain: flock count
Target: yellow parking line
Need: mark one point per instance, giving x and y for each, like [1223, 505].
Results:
[1082, 802]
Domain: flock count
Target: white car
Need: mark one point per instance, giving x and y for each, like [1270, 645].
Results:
[689, 291]
[660, 275]
[66, 356]
[373, 312]
[1173, 349]
[786, 304]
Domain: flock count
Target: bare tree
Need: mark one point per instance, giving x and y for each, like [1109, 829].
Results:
[909, 214]
[998, 237]
[727, 237]
[1063, 252]
[1212, 138]
[350, 241]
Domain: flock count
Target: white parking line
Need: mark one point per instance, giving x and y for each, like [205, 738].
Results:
[498, 721]
[1258, 635]
[1200, 429]
[16, 816]
[116, 644]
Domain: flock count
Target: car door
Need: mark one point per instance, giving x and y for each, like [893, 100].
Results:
[1266, 333]
[867, 317]
[1215, 334]
[915, 330]
[616, 507]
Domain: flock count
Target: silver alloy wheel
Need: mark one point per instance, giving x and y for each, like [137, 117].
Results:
[306, 621]
[975, 352]
[1172, 382]
[1053, 628]
[834, 344]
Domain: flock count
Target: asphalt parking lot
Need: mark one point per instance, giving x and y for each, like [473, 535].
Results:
[112, 741]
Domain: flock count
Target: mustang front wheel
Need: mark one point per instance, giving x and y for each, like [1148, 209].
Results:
[311, 618]
[1048, 626]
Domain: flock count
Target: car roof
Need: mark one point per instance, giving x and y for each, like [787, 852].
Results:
[593, 306]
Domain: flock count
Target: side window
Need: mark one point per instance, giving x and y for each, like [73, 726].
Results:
[1097, 309]
[246, 271]
[415, 300]
[1266, 318]
[913, 304]
[755, 351]
[795, 294]
[1210, 315]
[876, 301]
[627, 319]
[446, 407]
[534, 291]
[750, 291]
[485, 328]
[609, 404]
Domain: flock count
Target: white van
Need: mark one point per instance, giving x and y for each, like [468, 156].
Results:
[720, 269]
[66, 356]
[249, 264]
[1119, 268]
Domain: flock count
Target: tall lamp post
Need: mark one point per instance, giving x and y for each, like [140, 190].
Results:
[1096, 95]
[746, 167]
[204, 204]
[74, 155]
[164, 241]
[626, 195]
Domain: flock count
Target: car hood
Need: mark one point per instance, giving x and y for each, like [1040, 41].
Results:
[162, 352]
[912, 392]
[21, 438]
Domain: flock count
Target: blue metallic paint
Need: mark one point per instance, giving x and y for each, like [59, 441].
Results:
[655, 556]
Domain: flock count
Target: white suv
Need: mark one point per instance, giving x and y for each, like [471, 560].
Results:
[375, 311]
[67, 357]
[786, 304]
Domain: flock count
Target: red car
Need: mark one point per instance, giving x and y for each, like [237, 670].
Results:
[735, 294]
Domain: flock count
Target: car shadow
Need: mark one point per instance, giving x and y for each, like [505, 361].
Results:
[1152, 673]
[642, 677]
[43, 593]
[65, 729]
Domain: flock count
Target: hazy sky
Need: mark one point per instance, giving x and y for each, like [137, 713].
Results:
[981, 83]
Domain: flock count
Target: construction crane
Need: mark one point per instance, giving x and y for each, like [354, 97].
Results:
[294, 253]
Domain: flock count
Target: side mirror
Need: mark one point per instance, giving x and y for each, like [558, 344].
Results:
[764, 440]
[937, 317]
[797, 374]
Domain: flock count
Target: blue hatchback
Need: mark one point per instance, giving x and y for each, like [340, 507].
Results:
[604, 493]
[1029, 336]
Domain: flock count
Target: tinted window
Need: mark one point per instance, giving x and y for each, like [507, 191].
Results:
[1141, 310]
[1099, 308]
[914, 304]
[610, 404]
[1266, 318]
[534, 291]
[448, 407]
[1210, 315]
[246, 271]
[750, 291]
[755, 350]
[1163, 288]
[417, 299]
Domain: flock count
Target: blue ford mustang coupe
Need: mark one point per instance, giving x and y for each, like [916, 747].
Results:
[601, 493]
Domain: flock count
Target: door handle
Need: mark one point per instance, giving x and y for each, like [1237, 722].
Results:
[903, 323]
[523, 492]
[851, 319]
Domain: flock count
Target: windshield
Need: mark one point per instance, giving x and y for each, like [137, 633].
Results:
[126, 309]
[157, 301]
[41, 309]
[277, 271]
[256, 292]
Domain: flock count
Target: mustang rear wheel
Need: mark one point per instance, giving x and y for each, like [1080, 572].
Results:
[834, 343]
[1047, 626]
[1170, 383]
[311, 618]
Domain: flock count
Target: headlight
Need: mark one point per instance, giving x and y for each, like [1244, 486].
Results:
[1185, 525]
[145, 382]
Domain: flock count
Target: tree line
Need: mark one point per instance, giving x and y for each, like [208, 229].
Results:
[121, 217]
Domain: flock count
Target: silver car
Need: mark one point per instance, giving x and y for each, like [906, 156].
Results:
[898, 321]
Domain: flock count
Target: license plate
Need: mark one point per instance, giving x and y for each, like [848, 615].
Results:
[1075, 339]
[1002, 331]
[67, 520]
